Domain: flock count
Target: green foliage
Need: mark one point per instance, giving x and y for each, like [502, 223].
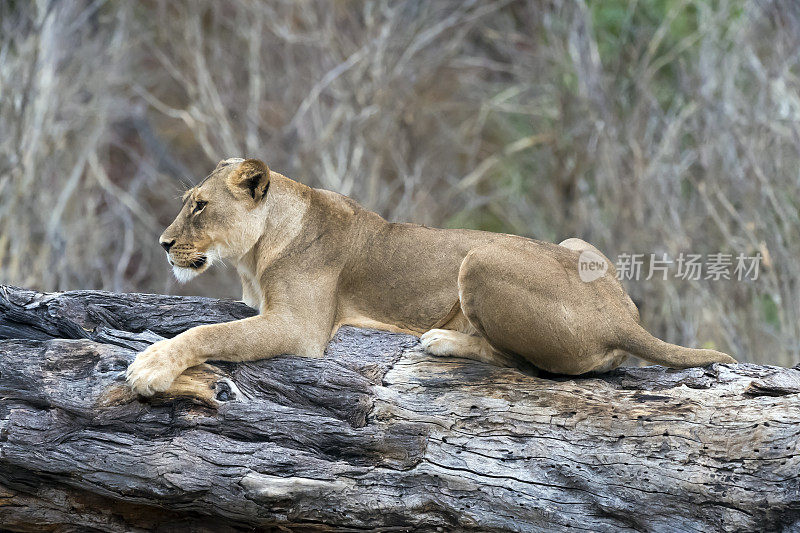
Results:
[770, 311]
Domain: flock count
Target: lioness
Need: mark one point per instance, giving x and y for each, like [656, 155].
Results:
[312, 260]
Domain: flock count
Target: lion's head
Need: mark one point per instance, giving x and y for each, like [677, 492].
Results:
[219, 217]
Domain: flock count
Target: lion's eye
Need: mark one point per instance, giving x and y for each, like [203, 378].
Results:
[198, 206]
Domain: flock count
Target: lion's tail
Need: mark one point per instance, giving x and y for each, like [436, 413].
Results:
[638, 341]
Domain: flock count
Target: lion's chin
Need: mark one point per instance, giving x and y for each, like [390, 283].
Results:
[184, 274]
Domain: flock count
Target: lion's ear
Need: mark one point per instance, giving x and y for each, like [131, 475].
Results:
[250, 179]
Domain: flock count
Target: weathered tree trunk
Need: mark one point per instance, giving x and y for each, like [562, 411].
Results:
[375, 435]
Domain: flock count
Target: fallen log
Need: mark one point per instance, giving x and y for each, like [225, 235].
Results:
[375, 436]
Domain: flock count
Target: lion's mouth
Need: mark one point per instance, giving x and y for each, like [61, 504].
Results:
[195, 264]
[199, 262]
[189, 268]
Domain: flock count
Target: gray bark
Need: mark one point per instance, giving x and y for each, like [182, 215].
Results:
[376, 435]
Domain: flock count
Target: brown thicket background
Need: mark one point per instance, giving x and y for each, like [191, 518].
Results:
[661, 126]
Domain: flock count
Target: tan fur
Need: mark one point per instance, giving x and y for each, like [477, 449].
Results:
[312, 260]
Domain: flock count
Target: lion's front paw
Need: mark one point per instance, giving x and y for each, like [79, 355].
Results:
[441, 342]
[155, 369]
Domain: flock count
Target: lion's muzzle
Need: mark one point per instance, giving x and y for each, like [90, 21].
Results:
[186, 256]
[199, 262]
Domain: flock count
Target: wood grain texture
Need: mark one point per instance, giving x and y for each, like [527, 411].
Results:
[375, 436]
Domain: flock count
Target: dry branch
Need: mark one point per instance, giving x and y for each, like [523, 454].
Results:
[376, 435]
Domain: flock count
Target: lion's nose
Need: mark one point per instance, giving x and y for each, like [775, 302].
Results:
[167, 244]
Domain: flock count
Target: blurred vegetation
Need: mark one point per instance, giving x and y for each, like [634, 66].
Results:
[661, 126]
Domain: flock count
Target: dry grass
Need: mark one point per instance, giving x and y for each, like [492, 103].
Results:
[661, 126]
